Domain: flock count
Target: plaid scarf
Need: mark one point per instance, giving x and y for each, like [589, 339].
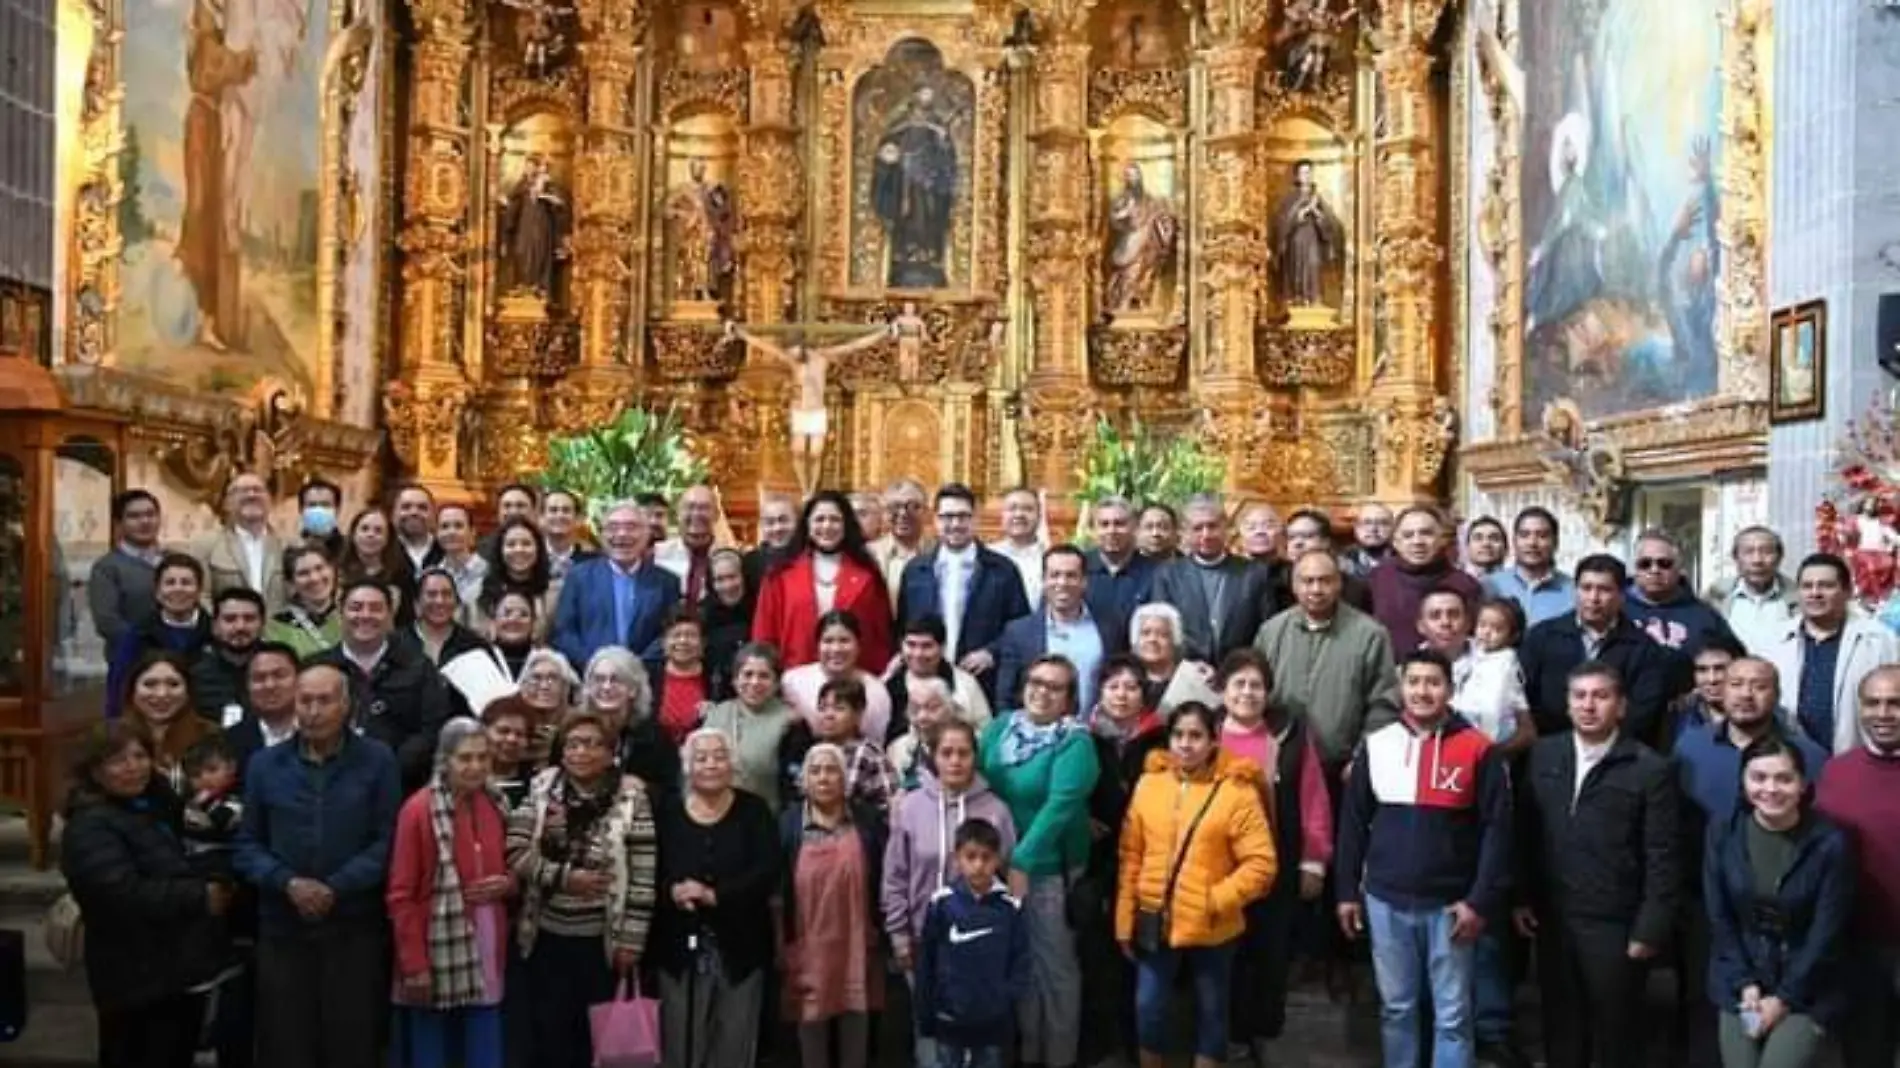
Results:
[455, 956]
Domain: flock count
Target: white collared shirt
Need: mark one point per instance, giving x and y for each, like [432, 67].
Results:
[252, 547]
[273, 736]
[1759, 619]
[955, 568]
[366, 663]
[1588, 757]
[1028, 561]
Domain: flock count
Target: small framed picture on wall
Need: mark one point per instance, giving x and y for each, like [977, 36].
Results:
[25, 321]
[1797, 363]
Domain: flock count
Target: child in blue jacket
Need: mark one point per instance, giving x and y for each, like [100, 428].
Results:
[973, 958]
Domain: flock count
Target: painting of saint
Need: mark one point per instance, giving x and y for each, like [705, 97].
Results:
[1620, 207]
[702, 218]
[222, 123]
[914, 191]
[1307, 236]
[1142, 233]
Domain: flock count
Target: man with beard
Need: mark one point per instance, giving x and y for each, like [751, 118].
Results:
[245, 552]
[415, 526]
[218, 675]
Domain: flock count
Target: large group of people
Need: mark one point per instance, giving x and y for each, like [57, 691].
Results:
[399, 788]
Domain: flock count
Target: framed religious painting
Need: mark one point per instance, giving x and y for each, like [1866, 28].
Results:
[24, 314]
[1797, 363]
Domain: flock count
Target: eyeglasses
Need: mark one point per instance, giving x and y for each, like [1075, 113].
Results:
[904, 506]
[955, 517]
[1035, 685]
[583, 743]
[1654, 563]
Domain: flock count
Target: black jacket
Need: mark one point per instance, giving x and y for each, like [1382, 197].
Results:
[1121, 765]
[1247, 601]
[739, 858]
[647, 754]
[1651, 676]
[402, 703]
[1608, 852]
[218, 681]
[149, 929]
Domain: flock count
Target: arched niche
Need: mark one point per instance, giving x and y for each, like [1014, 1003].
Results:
[1141, 183]
[913, 147]
[1294, 145]
[699, 182]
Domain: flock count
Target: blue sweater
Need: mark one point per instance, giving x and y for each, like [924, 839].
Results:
[332, 822]
[1709, 767]
[972, 967]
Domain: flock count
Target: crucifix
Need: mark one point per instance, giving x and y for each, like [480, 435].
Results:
[810, 366]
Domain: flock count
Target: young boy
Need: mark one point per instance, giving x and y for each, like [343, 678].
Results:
[838, 720]
[972, 959]
[215, 808]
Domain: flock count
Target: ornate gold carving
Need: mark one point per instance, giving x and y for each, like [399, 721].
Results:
[694, 352]
[517, 93]
[724, 91]
[1056, 421]
[1305, 358]
[577, 405]
[1586, 466]
[1123, 357]
[425, 422]
[1421, 433]
[1160, 93]
[533, 348]
[955, 348]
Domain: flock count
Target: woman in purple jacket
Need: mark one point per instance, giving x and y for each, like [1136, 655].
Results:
[921, 856]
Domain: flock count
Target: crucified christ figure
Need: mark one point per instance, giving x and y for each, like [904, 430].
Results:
[810, 366]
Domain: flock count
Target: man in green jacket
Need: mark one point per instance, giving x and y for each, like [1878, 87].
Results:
[1332, 664]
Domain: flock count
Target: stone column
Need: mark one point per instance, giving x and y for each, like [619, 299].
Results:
[1058, 405]
[424, 405]
[1413, 420]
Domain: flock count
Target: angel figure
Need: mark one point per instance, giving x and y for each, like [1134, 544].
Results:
[810, 366]
[538, 28]
[909, 329]
[1309, 34]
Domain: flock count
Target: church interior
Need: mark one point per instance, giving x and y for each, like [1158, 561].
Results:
[1624, 260]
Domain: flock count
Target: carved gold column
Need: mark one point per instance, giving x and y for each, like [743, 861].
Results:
[1414, 421]
[1058, 404]
[772, 203]
[1233, 242]
[424, 406]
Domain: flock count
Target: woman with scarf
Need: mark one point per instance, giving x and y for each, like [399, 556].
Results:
[1292, 789]
[180, 625]
[920, 859]
[1418, 566]
[840, 656]
[1039, 760]
[713, 942]
[615, 688]
[515, 561]
[310, 623]
[373, 554]
[755, 721]
[825, 569]
[727, 612]
[438, 618]
[834, 974]
[584, 849]
[448, 889]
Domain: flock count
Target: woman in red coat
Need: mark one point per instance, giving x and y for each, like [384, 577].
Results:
[825, 568]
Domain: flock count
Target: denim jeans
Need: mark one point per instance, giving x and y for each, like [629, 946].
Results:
[949, 1056]
[1211, 968]
[1491, 985]
[1413, 957]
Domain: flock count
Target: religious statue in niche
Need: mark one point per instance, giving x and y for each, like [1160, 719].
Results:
[538, 31]
[702, 217]
[1309, 35]
[914, 191]
[811, 367]
[1143, 229]
[1306, 237]
[534, 221]
[909, 327]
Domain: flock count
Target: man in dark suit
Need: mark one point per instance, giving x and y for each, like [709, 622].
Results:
[1223, 599]
[270, 703]
[621, 598]
[778, 520]
[1066, 625]
[1598, 630]
[1119, 577]
[976, 591]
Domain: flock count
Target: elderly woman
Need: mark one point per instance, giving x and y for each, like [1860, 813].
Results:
[834, 974]
[153, 935]
[713, 941]
[755, 722]
[614, 687]
[310, 623]
[448, 887]
[728, 614]
[549, 686]
[1157, 636]
[438, 618]
[685, 684]
[1039, 760]
[1195, 852]
[920, 861]
[158, 698]
[507, 723]
[931, 706]
[584, 848]
[839, 654]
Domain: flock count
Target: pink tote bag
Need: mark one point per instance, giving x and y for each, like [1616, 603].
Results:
[626, 1029]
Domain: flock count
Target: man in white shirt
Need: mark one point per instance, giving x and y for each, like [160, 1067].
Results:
[1760, 603]
[244, 553]
[415, 526]
[974, 590]
[688, 556]
[904, 541]
[1024, 539]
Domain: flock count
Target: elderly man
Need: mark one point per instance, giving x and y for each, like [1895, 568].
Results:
[1158, 532]
[1822, 658]
[1119, 576]
[1023, 541]
[319, 814]
[1332, 664]
[1532, 578]
[1598, 630]
[1861, 792]
[244, 553]
[869, 508]
[974, 590]
[616, 599]
[687, 556]
[1223, 598]
[1062, 625]
[1371, 540]
[904, 541]
[1760, 602]
[778, 521]
[1662, 603]
[1260, 532]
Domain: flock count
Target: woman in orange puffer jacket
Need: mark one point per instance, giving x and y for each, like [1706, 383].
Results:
[1195, 851]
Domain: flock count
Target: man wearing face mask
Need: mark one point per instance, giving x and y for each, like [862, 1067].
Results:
[218, 675]
[320, 501]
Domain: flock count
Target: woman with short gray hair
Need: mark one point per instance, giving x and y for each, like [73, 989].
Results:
[448, 886]
[1158, 636]
[615, 688]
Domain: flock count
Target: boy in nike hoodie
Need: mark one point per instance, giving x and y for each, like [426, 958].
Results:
[973, 958]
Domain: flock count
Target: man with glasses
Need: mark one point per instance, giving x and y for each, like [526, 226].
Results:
[1662, 603]
[688, 556]
[618, 599]
[904, 540]
[976, 591]
[1310, 530]
[244, 552]
[1599, 630]
[1823, 657]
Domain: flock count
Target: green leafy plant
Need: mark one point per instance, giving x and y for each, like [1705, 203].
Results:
[639, 452]
[1143, 466]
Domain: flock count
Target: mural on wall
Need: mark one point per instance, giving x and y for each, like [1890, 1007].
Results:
[220, 217]
[913, 123]
[1622, 150]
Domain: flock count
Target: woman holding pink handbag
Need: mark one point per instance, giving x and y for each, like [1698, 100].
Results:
[448, 887]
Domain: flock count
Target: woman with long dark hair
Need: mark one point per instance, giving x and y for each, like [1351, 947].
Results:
[373, 553]
[825, 568]
[158, 698]
[516, 562]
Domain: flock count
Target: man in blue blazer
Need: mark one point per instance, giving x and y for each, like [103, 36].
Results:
[1066, 625]
[974, 590]
[621, 598]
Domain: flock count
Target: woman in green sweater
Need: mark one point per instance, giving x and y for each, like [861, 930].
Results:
[1040, 761]
[311, 623]
[754, 721]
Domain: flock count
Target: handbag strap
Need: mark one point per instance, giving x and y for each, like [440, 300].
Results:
[1180, 856]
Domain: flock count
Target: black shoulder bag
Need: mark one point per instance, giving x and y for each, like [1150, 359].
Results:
[1151, 925]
